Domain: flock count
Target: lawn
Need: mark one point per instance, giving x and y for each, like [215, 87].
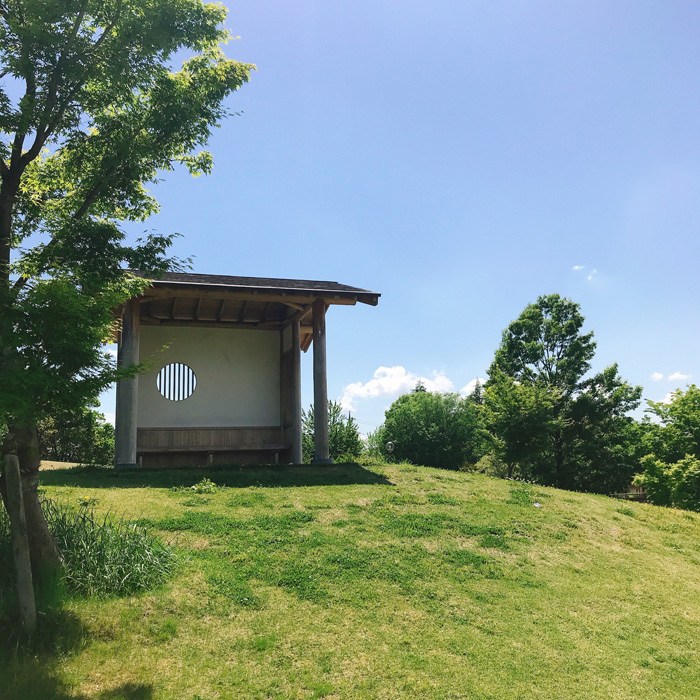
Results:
[379, 581]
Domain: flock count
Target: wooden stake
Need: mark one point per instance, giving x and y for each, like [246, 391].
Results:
[20, 545]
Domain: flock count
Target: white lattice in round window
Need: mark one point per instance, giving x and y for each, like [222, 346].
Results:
[176, 381]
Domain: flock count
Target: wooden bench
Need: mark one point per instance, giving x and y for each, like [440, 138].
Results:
[210, 441]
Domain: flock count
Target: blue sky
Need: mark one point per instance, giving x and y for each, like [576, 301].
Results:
[461, 158]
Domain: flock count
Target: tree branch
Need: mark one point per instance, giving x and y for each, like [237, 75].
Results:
[47, 124]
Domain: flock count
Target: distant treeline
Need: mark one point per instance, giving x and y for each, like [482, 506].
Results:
[542, 417]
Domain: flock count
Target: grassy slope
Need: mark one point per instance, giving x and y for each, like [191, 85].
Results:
[390, 582]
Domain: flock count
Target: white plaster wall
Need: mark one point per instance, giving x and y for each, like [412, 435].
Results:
[238, 377]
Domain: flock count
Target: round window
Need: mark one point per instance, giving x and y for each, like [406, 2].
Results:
[176, 381]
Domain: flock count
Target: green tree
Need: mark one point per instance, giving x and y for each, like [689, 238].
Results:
[519, 420]
[344, 440]
[587, 442]
[79, 436]
[92, 113]
[671, 467]
[674, 484]
[434, 430]
[676, 430]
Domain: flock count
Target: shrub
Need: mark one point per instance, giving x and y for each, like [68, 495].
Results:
[344, 443]
[433, 429]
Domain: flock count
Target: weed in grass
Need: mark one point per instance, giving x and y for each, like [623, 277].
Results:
[417, 524]
[263, 643]
[320, 690]
[165, 631]
[195, 502]
[432, 524]
[235, 587]
[203, 523]
[520, 495]
[248, 499]
[340, 523]
[206, 486]
[439, 499]
[495, 541]
[472, 565]
[304, 579]
[325, 663]
[398, 499]
[87, 501]
[626, 510]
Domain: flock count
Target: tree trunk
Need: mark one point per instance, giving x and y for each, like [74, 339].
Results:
[20, 544]
[563, 480]
[46, 559]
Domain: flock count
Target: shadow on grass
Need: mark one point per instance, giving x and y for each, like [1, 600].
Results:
[29, 671]
[235, 476]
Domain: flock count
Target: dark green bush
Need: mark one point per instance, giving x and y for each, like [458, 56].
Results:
[433, 429]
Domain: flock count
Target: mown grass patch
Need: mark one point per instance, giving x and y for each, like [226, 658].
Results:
[403, 583]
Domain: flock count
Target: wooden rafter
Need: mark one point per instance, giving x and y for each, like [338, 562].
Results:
[244, 308]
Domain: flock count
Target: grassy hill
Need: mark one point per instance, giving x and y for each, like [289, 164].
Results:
[387, 581]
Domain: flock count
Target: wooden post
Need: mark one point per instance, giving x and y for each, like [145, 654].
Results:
[127, 389]
[296, 394]
[321, 451]
[20, 545]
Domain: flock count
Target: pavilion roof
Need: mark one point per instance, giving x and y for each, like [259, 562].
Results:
[193, 299]
[332, 292]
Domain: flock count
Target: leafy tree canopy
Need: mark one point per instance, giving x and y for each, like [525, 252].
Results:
[671, 468]
[520, 419]
[91, 112]
[677, 431]
[79, 436]
[560, 427]
[545, 345]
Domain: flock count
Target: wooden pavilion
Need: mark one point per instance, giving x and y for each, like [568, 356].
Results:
[224, 377]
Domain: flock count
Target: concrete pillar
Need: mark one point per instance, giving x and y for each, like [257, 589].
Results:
[321, 451]
[296, 394]
[127, 389]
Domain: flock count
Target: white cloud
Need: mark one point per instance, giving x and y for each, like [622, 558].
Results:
[678, 376]
[469, 387]
[668, 398]
[109, 418]
[392, 381]
[577, 267]
[593, 273]
[656, 376]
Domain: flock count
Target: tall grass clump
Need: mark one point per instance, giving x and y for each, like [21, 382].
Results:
[103, 556]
